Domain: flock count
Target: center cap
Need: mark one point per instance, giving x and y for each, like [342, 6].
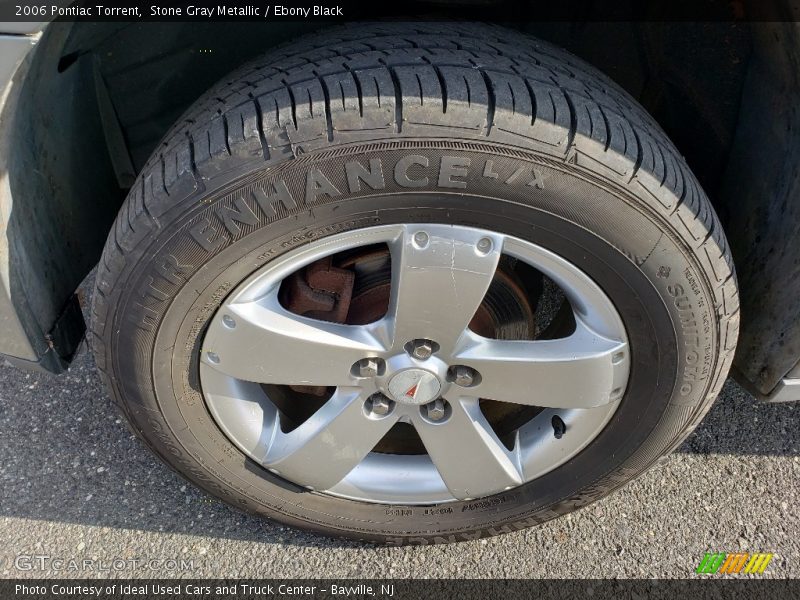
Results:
[414, 386]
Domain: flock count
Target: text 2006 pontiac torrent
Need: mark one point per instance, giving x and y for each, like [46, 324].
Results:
[405, 283]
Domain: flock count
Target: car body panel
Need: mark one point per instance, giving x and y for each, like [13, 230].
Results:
[16, 335]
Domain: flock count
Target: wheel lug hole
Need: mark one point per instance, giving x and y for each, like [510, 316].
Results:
[212, 357]
[421, 349]
[368, 367]
[378, 405]
[484, 246]
[463, 375]
[229, 322]
[421, 240]
[437, 411]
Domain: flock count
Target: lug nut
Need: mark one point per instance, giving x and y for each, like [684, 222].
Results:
[464, 376]
[421, 239]
[213, 357]
[436, 410]
[422, 349]
[380, 405]
[367, 367]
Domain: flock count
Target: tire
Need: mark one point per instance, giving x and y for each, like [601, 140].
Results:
[598, 184]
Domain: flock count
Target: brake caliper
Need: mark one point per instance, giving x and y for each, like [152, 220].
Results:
[319, 291]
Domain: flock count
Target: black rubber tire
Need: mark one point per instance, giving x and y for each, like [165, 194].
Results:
[597, 181]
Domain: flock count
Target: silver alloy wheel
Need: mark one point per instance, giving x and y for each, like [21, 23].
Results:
[440, 275]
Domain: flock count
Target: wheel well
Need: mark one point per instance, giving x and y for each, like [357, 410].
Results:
[99, 97]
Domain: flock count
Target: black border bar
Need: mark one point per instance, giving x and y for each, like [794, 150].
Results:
[698, 588]
[360, 10]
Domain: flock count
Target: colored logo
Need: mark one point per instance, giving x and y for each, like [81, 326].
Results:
[414, 386]
[721, 563]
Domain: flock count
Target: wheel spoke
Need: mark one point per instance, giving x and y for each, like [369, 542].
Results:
[269, 344]
[583, 370]
[329, 444]
[439, 278]
[472, 461]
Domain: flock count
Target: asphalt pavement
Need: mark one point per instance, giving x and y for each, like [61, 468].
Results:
[81, 497]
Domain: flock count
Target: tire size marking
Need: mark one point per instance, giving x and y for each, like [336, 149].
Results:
[442, 510]
[399, 512]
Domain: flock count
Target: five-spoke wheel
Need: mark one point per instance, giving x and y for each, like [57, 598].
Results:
[420, 364]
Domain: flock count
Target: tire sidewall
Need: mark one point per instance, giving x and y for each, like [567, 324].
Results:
[175, 285]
